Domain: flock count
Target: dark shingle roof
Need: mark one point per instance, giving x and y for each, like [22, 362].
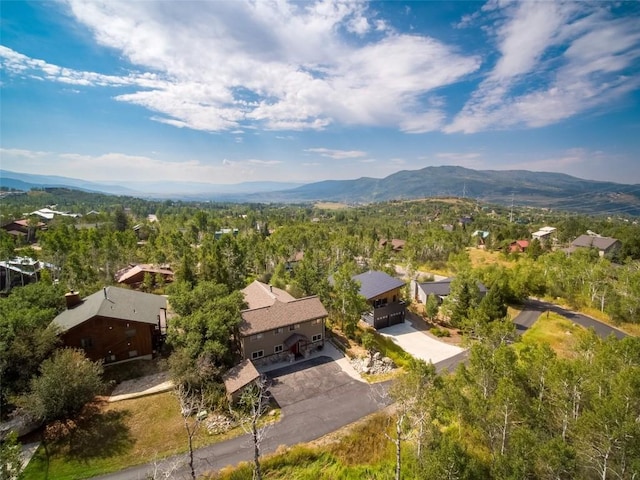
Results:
[281, 315]
[112, 302]
[601, 243]
[442, 288]
[374, 283]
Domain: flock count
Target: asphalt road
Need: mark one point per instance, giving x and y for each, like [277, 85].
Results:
[534, 308]
[327, 400]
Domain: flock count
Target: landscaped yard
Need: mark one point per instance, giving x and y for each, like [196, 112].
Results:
[120, 435]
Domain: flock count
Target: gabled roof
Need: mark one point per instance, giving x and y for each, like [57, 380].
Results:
[442, 288]
[374, 283]
[601, 243]
[521, 243]
[240, 376]
[112, 302]
[259, 295]
[123, 275]
[281, 314]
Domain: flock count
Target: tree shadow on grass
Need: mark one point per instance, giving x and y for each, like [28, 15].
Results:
[100, 434]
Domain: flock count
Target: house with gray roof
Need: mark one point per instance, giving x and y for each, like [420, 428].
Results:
[384, 294]
[114, 324]
[440, 289]
[604, 245]
[277, 326]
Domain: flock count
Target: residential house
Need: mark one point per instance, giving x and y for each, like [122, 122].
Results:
[237, 378]
[114, 324]
[23, 229]
[277, 327]
[481, 237]
[395, 244]
[604, 245]
[544, 234]
[519, 246]
[384, 294]
[440, 289]
[20, 271]
[49, 214]
[133, 275]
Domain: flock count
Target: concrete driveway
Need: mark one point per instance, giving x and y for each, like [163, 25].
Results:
[419, 344]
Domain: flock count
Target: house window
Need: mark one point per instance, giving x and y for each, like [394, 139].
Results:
[316, 338]
[277, 348]
[317, 321]
[278, 330]
[130, 332]
[294, 327]
[255, 337]
[256, 355]
[86, 343]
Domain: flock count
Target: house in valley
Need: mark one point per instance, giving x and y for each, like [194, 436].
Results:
[277, 327]
[519, 246]
[114, 324]
[20, 271]
[384, 294]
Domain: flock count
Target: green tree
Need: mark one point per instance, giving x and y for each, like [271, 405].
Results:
[67, 382]
[432, 307]
[347, 303]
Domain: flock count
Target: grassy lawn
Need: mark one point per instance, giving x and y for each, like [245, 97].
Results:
[354, 452]
[120, 435]
[556, 331]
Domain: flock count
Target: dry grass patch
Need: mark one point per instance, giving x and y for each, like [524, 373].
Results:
[331, 206]
[556, 331]
[121, 434]
[481, 258]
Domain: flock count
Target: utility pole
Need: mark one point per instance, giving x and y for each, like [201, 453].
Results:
[464, 190]
[511, 213]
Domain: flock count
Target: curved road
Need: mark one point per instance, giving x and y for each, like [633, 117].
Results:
[328, 411]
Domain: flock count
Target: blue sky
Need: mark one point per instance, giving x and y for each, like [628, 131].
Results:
[231, 91]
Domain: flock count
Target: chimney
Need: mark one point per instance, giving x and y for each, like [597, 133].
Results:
[72, 298]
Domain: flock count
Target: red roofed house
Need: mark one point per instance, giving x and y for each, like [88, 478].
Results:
[133, 275]
[22, 229]
[278, 327]
[519, 246]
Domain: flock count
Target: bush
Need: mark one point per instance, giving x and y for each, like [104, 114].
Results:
[440, 332]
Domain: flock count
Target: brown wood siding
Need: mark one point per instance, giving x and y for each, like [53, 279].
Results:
[111, 339]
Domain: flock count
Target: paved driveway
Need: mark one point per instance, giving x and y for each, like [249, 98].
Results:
[419, 344]
[311, 379]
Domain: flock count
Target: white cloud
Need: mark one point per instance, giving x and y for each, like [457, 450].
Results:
[220, 66]
[336, 154]
[556, 61]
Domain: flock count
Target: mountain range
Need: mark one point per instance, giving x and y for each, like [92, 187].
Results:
[506, 187]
